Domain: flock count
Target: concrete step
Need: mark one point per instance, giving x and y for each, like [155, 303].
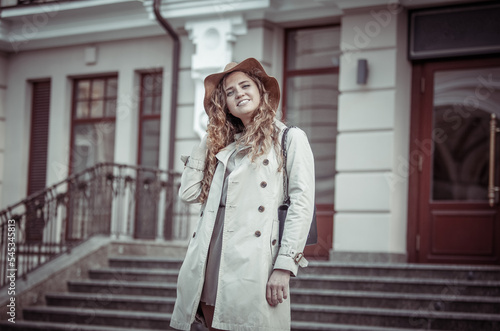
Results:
[145, 262]
[52, 326]
[396, 318]
[135, 274]
[436, 302]
[395, 284]
[454, 272]
[111, 301]
[105, 317]
[123, 287]
[304, 326]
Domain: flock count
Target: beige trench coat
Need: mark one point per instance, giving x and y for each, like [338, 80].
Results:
[249, 250]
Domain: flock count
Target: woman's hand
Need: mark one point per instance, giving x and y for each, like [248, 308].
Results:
[277, 286]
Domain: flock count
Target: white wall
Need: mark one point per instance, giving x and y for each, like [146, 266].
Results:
[373, 125]
[124, 58]
[186, 138]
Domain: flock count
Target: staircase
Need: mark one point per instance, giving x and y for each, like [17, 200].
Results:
[396, 297]
[138, 293]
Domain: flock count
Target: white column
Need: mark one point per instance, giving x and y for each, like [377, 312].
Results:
[373, 125]
[126, 118]
[58, 147]
[125, 144]
[214, 41]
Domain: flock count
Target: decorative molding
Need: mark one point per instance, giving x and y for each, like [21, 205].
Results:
[51, 7]
[206, 8]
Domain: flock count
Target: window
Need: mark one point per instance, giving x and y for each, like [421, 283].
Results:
[146, 217]
[149, 118]
[93, 127]
[311, 97]
[92, 142]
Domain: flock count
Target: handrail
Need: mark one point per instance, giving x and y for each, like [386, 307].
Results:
[24, 3]
[107, 199]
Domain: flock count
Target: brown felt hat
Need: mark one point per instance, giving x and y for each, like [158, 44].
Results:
[248, 65]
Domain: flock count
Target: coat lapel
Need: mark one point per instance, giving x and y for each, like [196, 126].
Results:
[225, 153]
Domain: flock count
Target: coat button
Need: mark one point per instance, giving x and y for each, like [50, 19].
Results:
[194, 234]
[261, 209]
[257, 233]
[274, 242]
[265, 162]
[263, 184]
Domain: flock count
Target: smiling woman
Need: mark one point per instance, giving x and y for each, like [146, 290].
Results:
[235, 275]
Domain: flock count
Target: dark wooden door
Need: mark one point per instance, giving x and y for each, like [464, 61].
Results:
[148, 184]
[450, 163]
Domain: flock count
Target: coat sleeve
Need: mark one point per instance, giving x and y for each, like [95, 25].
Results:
[300, 168]
[192, 175]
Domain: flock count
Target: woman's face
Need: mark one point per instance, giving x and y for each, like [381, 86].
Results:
[242, 96]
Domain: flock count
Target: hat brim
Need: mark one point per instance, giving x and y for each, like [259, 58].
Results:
[250, 64]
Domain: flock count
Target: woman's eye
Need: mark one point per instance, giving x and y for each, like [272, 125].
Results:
[229, 94]
[245, 86]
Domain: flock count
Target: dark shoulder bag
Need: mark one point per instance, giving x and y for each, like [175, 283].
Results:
[312, 237]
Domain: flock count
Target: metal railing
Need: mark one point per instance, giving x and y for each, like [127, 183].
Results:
[15, 3]
[107, 199]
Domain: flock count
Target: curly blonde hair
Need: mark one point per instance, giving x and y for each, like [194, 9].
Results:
[260, 134]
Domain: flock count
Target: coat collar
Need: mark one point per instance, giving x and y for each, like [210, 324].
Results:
[226, 152]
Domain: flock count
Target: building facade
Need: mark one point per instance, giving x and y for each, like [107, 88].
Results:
[396, 97]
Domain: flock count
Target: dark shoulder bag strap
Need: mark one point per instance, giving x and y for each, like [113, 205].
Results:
[286, 198]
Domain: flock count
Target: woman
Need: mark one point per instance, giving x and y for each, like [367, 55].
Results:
[235, 276]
